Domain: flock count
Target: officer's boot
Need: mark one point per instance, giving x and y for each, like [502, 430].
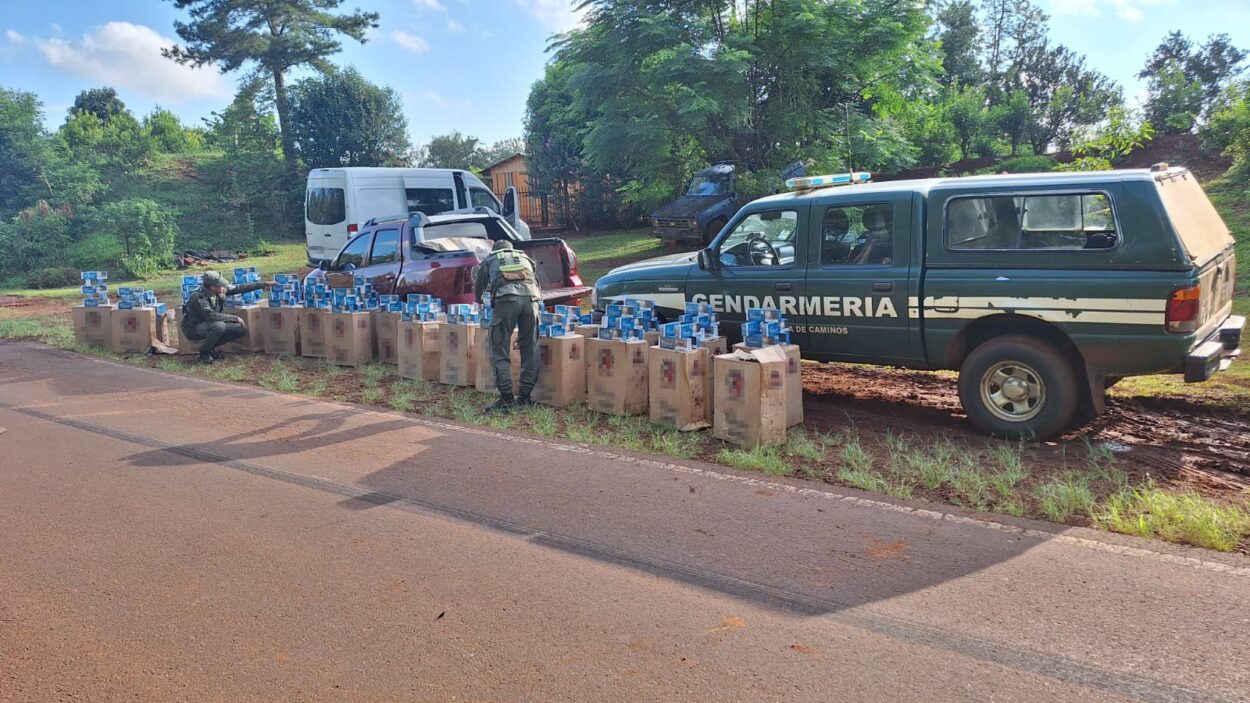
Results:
[206, 358]
[524, 400]
[505, 404]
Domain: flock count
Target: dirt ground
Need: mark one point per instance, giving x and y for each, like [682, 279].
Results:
[1175, 441]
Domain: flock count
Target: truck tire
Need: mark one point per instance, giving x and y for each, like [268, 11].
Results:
[1018, 387]
[713, 228]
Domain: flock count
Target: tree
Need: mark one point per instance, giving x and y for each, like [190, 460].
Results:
[23, 150]
[968, 117]
[1228, 130]
[245, 125]
[1013, 117]
[341, 119]
[452, 151]
[959, 33]
[169, 135]
[276, 35]
[1184, 81]
[502, 149]
[101, 102]
[1101, 149]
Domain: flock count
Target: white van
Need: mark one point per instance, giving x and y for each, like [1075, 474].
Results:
[339, 201]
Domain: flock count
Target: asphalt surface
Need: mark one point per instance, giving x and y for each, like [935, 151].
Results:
[166, 538]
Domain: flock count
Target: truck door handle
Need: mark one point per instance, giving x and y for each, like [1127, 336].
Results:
[882, 287]
[781, 286]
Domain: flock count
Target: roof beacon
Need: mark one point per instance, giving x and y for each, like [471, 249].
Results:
[841, 179]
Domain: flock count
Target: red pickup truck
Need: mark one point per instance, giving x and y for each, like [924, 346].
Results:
[437, 254]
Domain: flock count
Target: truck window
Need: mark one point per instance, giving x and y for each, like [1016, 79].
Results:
[354, 253]
[1044, 222]
[481, 197]
[761, 239]
[325, 206]
[857, 235]
[385, 247]
[430, 201]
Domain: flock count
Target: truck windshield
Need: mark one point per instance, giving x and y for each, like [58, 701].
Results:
[705, 185]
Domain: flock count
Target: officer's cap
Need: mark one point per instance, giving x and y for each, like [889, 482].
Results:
[502, 244]
[212, 278]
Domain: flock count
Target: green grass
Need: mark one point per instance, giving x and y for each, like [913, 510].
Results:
[55, 330]
[280, 377]
[1064, 496]
[766, 459]
[599, 253]
[1185, 517]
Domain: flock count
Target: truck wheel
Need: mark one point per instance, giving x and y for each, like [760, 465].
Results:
[713, 228]
[1018, 387]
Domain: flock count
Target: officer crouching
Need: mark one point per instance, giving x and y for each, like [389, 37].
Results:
[202, 317]
[508, 276]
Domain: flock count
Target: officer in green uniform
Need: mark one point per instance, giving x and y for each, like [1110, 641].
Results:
[508, 275]
[203, 319]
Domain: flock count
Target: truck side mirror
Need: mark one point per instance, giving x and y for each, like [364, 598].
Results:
[707, 260]
[324, 264]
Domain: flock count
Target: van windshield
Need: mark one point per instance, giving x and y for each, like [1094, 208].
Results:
[325, 206]
[1194, 218]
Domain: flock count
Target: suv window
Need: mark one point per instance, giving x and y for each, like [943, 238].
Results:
[325, 206]
[1047, 222]
[385, 247]
[430, 201]
[761, 239]
[483, 198]
[354, 252]
[858, 234]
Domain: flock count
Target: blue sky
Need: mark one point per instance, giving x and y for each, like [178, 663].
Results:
[460, 64]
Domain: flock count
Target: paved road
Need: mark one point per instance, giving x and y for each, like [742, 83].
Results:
[165, 538]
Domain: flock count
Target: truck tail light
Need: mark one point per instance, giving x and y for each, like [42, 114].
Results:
[572, 257]
[1184, 308]
[352, 228]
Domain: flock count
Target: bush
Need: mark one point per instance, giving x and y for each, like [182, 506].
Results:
[97, 252]
[37, 238]
[146, 231]
[55, 277]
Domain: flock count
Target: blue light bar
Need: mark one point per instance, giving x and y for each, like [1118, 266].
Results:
[841, 179]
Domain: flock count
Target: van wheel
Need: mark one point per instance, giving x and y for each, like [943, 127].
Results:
[1018, 387]
[713, 228]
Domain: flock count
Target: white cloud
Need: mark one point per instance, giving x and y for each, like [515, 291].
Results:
[410, 41]
[558, 15]
[454, 27]
[487, 34]
[128, 56]
[14, 37]
[1128, 10]
[430, 5]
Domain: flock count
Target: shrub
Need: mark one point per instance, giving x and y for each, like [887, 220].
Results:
[146, 231]
[54, 277]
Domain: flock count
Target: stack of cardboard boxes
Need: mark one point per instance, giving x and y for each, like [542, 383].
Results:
[759, 391]
[282, 317]
[680, 367]
[458, 357]
[250, 308]
[313, 320]
[139, 322]
[561, 358]
[93, 318]
[419, 337]
[386, 328]
[616, 359]
[349, 330]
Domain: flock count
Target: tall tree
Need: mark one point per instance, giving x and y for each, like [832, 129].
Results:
[276, 35]
[341, 119]
[23, 150]
[101, 102]
[1186, 80]
[453, 150]
[959, 34]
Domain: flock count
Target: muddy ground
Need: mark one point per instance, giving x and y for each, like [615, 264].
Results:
[1175, 441]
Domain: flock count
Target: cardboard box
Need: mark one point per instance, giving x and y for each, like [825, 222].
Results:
[677, 388]
[349, 338]
[750, 397]
[254, 341]
[282, 335]
[386, 336]
[457, 362]
[312, 331]
[794, 381]
[561, 370]
[419, 350]
[617, 376]
[133, 331]
[587, 331]
[93, 326]
[485, 378]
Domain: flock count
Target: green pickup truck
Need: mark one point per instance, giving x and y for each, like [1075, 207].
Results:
[1042, 290]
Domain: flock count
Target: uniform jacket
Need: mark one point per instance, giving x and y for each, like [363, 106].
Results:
[490, 279]
[204, 307]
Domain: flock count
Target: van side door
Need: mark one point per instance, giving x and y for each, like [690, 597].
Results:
[858, 276]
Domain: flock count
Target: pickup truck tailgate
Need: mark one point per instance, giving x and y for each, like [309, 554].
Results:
[552, 269]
